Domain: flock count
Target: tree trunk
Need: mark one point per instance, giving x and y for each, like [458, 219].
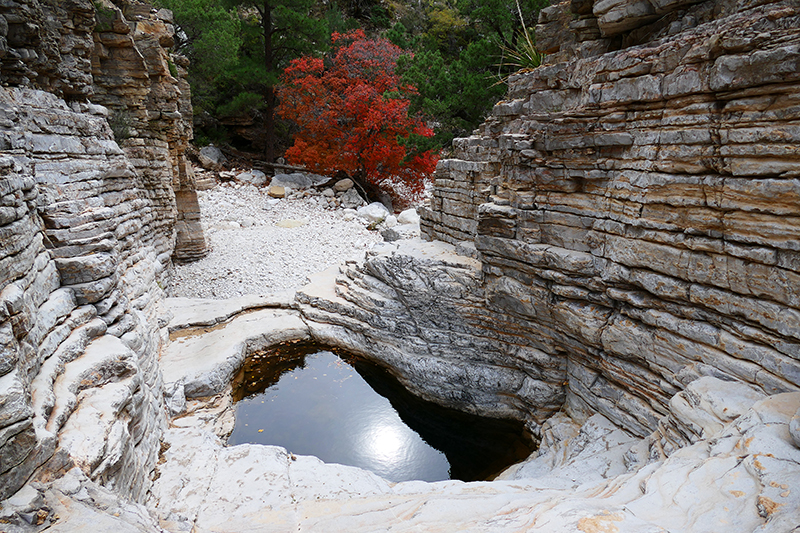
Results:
[269, 89]
[373, 192]
[269, 125]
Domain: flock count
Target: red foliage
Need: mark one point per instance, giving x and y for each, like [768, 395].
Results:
[351, 109]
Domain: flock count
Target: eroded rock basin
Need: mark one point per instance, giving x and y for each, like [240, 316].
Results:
[315, 400]
[588, 475]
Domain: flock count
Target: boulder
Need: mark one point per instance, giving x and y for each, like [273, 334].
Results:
[298, 180]
[277, 191]
[256, 177]
[351, 199]
[409, 216]
[343, 185]
[373, 213]
[212, 157]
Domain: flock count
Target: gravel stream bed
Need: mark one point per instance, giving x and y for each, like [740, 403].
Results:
[252, 250]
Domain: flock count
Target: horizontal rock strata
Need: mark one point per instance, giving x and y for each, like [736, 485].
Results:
[616, 265]
[417, 309]
[88, 224]
[638, 210]
[80, 299]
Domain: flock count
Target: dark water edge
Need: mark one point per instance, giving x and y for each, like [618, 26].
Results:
[315, 400]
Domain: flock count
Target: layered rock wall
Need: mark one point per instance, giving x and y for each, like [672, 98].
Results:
[420, 312]
[638, 210]
[92, 135]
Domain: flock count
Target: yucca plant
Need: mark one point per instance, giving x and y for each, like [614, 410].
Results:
[523, 55]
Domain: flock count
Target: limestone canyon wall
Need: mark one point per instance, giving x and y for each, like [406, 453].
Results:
[624, 223]
[93, 125]
[635, 203]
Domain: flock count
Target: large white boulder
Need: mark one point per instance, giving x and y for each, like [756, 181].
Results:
[373, 213]
[409, 216]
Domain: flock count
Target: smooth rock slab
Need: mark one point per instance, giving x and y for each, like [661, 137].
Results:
[193, 312]
[732, 482]
[205, 360]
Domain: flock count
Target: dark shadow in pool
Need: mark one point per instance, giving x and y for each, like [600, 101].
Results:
[476, 448]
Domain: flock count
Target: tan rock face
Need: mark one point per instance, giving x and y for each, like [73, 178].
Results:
[116, 55]
[639, 209]
[88, 227]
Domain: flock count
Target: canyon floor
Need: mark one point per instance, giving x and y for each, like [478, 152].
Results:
[586, 477]
[262, 245]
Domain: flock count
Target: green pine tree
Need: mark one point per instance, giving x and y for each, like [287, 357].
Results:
[275, 32]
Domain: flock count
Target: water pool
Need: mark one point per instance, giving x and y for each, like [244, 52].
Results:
[344, 409]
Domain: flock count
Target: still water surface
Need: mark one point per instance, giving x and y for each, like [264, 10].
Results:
[348, 411]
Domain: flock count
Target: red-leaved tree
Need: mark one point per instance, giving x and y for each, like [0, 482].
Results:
[352, 111]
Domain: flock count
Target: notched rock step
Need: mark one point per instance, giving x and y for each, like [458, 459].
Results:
[202, 361]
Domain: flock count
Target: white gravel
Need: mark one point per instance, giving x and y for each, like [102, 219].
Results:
[252, 254]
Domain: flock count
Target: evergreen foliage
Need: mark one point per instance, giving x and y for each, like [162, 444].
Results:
[458, 51]
[463, 51]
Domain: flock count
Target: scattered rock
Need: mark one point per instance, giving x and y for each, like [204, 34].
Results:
[277, 191]
[256, 177]
[212, 157]
[298, 180]
[409, 216]
[351, 199]
[328, 193]
[204, 180]
[375, 212]
[343, 185]
[390, 221]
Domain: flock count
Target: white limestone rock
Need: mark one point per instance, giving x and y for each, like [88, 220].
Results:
[256, 177]
[707, 404]
[400, 232]
[409, 216]
[206, 359]
[193, 312]
[373, 213]
[794, 428]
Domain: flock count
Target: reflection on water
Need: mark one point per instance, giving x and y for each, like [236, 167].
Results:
[313, 402]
